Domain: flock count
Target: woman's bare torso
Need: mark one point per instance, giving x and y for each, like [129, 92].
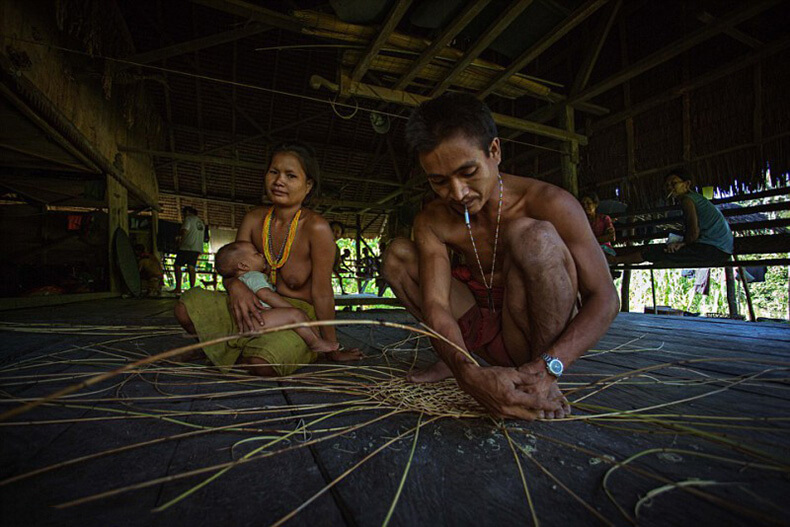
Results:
[293, 278]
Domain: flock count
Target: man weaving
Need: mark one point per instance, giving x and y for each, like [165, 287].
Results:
[535, 291]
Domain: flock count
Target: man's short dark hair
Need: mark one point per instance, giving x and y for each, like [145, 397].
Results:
[449, 115]
[190, 210]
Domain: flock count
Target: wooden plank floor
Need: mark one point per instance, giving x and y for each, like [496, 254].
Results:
[688, 417]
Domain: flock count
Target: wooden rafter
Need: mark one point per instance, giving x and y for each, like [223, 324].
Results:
[735, 33]
[461, 21]
[601, 33]
[254, 12]
[742, 62]
[316, 201]
[486, 38]
[576, 18]
[400, 8]
[409, 99]
[744, 12]
[229, 162]
[190, 46]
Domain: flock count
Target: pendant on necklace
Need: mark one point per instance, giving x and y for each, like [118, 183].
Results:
[491, 300]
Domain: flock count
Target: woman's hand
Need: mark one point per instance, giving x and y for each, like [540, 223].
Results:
[245, 306]
[674, 247]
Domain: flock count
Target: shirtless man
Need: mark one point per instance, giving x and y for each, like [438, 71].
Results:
[559, 298]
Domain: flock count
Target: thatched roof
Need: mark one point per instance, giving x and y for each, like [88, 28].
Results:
[654, 85]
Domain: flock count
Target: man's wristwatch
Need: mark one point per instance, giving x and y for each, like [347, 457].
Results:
[553, 364]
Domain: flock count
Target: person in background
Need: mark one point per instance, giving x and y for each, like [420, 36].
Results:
[707, 237]
[601, 224]
[151, 272]
[338, 229]
[190, 245]
[367, 270]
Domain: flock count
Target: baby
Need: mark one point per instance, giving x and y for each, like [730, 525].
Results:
[243, 261]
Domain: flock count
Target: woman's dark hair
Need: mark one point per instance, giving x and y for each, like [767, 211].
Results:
[189, 210]
[307, 158]
[446, 116]
[682, 173]
[592, 196]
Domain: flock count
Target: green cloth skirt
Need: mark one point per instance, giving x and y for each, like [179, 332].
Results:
[210, 312]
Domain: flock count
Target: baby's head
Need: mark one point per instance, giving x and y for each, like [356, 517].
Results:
[237, 258]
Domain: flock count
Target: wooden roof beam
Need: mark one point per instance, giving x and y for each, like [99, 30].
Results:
[601, 33]
[229, 162]
[578, 16]
[254, 12]
[731, 67]
[317, 201]
[737, 34]
[746, 11]
[400, 8]
[378, 93]
[191, 46]
[486, 38]
[461, 21]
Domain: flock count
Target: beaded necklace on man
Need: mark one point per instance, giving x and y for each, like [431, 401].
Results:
[489, 284]
[278, 260]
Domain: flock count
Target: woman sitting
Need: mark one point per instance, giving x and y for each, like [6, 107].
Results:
[601, 224]
[707, 238]
[294, 240]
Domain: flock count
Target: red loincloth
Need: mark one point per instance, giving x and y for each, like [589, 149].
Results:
[481, 327]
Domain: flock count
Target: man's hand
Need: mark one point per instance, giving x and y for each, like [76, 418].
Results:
[545, 385]
[509, 392]
[245, 306]
[673, 247]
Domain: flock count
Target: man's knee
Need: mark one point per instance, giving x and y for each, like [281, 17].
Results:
[535, 242]
[399, 254]
[181, 314]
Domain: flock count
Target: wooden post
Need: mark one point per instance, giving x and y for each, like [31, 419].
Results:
[118, 210]
[154, 232]
[359, 252]
[625, 292]
[569, 159]
[748, 294]
[732, 298]
[653, 289]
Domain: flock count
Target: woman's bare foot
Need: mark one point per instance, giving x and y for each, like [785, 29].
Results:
[438, 372]
[324, 346]
[344, 355]
[565, 410]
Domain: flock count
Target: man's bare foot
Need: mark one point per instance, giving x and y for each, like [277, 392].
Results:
[435, 373]
[344, 355]
[554, 394]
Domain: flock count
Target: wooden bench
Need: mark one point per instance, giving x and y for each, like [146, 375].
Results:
[748, 223]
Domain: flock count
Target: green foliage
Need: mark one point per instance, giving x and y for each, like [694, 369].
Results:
[770, 298]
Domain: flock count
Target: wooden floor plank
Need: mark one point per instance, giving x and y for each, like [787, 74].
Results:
[463, 471]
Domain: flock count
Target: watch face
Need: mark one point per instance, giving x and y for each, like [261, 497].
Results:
[555, 367]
